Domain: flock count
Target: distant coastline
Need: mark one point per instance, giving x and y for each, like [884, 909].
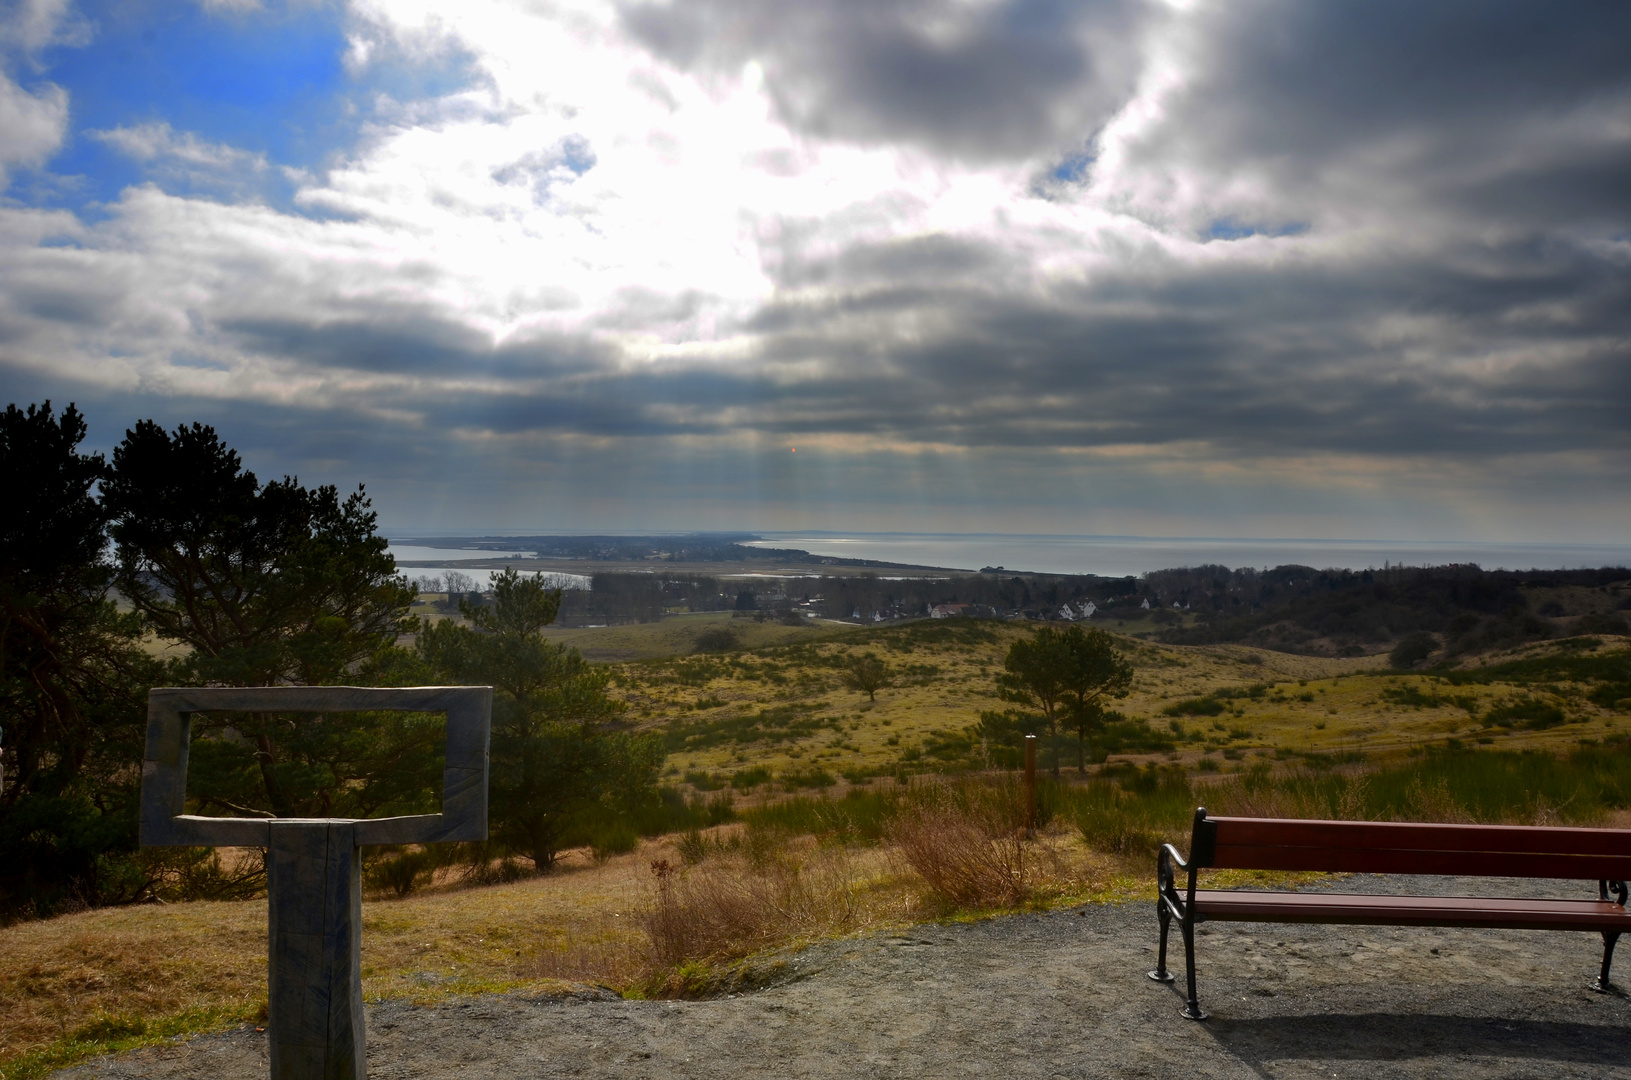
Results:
[965, 553]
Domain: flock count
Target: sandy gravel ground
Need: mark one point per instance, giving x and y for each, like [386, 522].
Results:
[1057, 995]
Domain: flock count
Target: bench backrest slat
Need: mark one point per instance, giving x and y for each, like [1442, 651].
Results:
[1412, 848]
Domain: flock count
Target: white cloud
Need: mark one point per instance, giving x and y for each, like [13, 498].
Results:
[32, 125]
[32, 25]
[159, 142]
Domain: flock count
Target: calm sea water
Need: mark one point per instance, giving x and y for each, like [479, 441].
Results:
[1115, 556]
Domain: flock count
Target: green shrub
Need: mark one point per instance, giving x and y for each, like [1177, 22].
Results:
[1413, 650]
[813, 777]
[401, 873]
[704, 781]
[615, 838]
[862, 814]
[748, 779]
[1530, 713]
[1201, 706]
[673, 812]
[717, 640]
[1131, 811]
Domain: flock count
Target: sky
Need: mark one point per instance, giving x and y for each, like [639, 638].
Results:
[1359, 268]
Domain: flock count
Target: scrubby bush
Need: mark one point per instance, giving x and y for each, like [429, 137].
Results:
[748, 779]
[1413, 650]
[615, 838]
[401, 872]
[966, 840]
[717, 640]
[732, 905]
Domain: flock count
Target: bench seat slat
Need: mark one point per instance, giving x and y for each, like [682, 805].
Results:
[1502, 913]
[1415, 836]
[1395, 861]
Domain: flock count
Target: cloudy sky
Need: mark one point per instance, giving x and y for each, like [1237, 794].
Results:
[1256, 268]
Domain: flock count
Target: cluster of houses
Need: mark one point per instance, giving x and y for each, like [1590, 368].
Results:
[1069, 611]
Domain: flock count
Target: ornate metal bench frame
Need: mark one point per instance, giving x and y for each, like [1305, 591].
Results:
[1392, 848]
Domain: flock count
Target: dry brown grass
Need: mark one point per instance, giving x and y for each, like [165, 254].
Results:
[737, 902]
[957, 848]
[126, 968]
[114, 978]
[106, 977]
[966, 841]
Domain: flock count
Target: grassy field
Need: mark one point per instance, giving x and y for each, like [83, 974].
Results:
[678, 634]
[838, 829]
[783, 709]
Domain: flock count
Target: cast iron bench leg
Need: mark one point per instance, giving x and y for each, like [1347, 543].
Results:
[1601, 984]
[1192, 1010]
[1161, 974]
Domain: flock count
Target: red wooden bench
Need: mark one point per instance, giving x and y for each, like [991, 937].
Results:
[1386, 847]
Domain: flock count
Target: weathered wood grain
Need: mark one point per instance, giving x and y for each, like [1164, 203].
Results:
[314, 942]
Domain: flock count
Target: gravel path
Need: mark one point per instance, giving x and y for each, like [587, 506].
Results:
[1057, 995]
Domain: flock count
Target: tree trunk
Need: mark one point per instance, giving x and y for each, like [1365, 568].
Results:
[267, 757]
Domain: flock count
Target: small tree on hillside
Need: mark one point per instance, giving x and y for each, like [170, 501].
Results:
[1033, 675]
[1094, 671]
[866, 674]
[1066, 674]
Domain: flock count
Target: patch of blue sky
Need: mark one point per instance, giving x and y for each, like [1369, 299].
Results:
[1233, 229]
[271, 82]
[1074, 169]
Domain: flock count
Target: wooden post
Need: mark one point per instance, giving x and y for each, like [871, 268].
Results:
[1030, 787]
[314, 944]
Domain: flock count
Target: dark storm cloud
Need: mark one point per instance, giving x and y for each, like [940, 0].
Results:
[1505, 109]
[1249, 361]
[1009, 78]
[1298, 76]
[411, 343]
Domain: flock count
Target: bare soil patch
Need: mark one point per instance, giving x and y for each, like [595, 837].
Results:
[1053, 995]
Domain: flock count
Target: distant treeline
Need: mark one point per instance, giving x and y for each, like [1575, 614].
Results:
[1467, 608]
[1289, 608]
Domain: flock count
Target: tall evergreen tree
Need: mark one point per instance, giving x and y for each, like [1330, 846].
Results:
[266, 585]
[558, 759]
[72, 678]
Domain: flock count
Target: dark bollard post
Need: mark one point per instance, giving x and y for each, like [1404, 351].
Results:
[1030, 787]
[314, 869]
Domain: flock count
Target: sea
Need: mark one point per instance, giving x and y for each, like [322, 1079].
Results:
[1120, 556]
[1109, 556]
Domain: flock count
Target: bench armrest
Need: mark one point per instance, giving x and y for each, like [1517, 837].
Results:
[1167, 862]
